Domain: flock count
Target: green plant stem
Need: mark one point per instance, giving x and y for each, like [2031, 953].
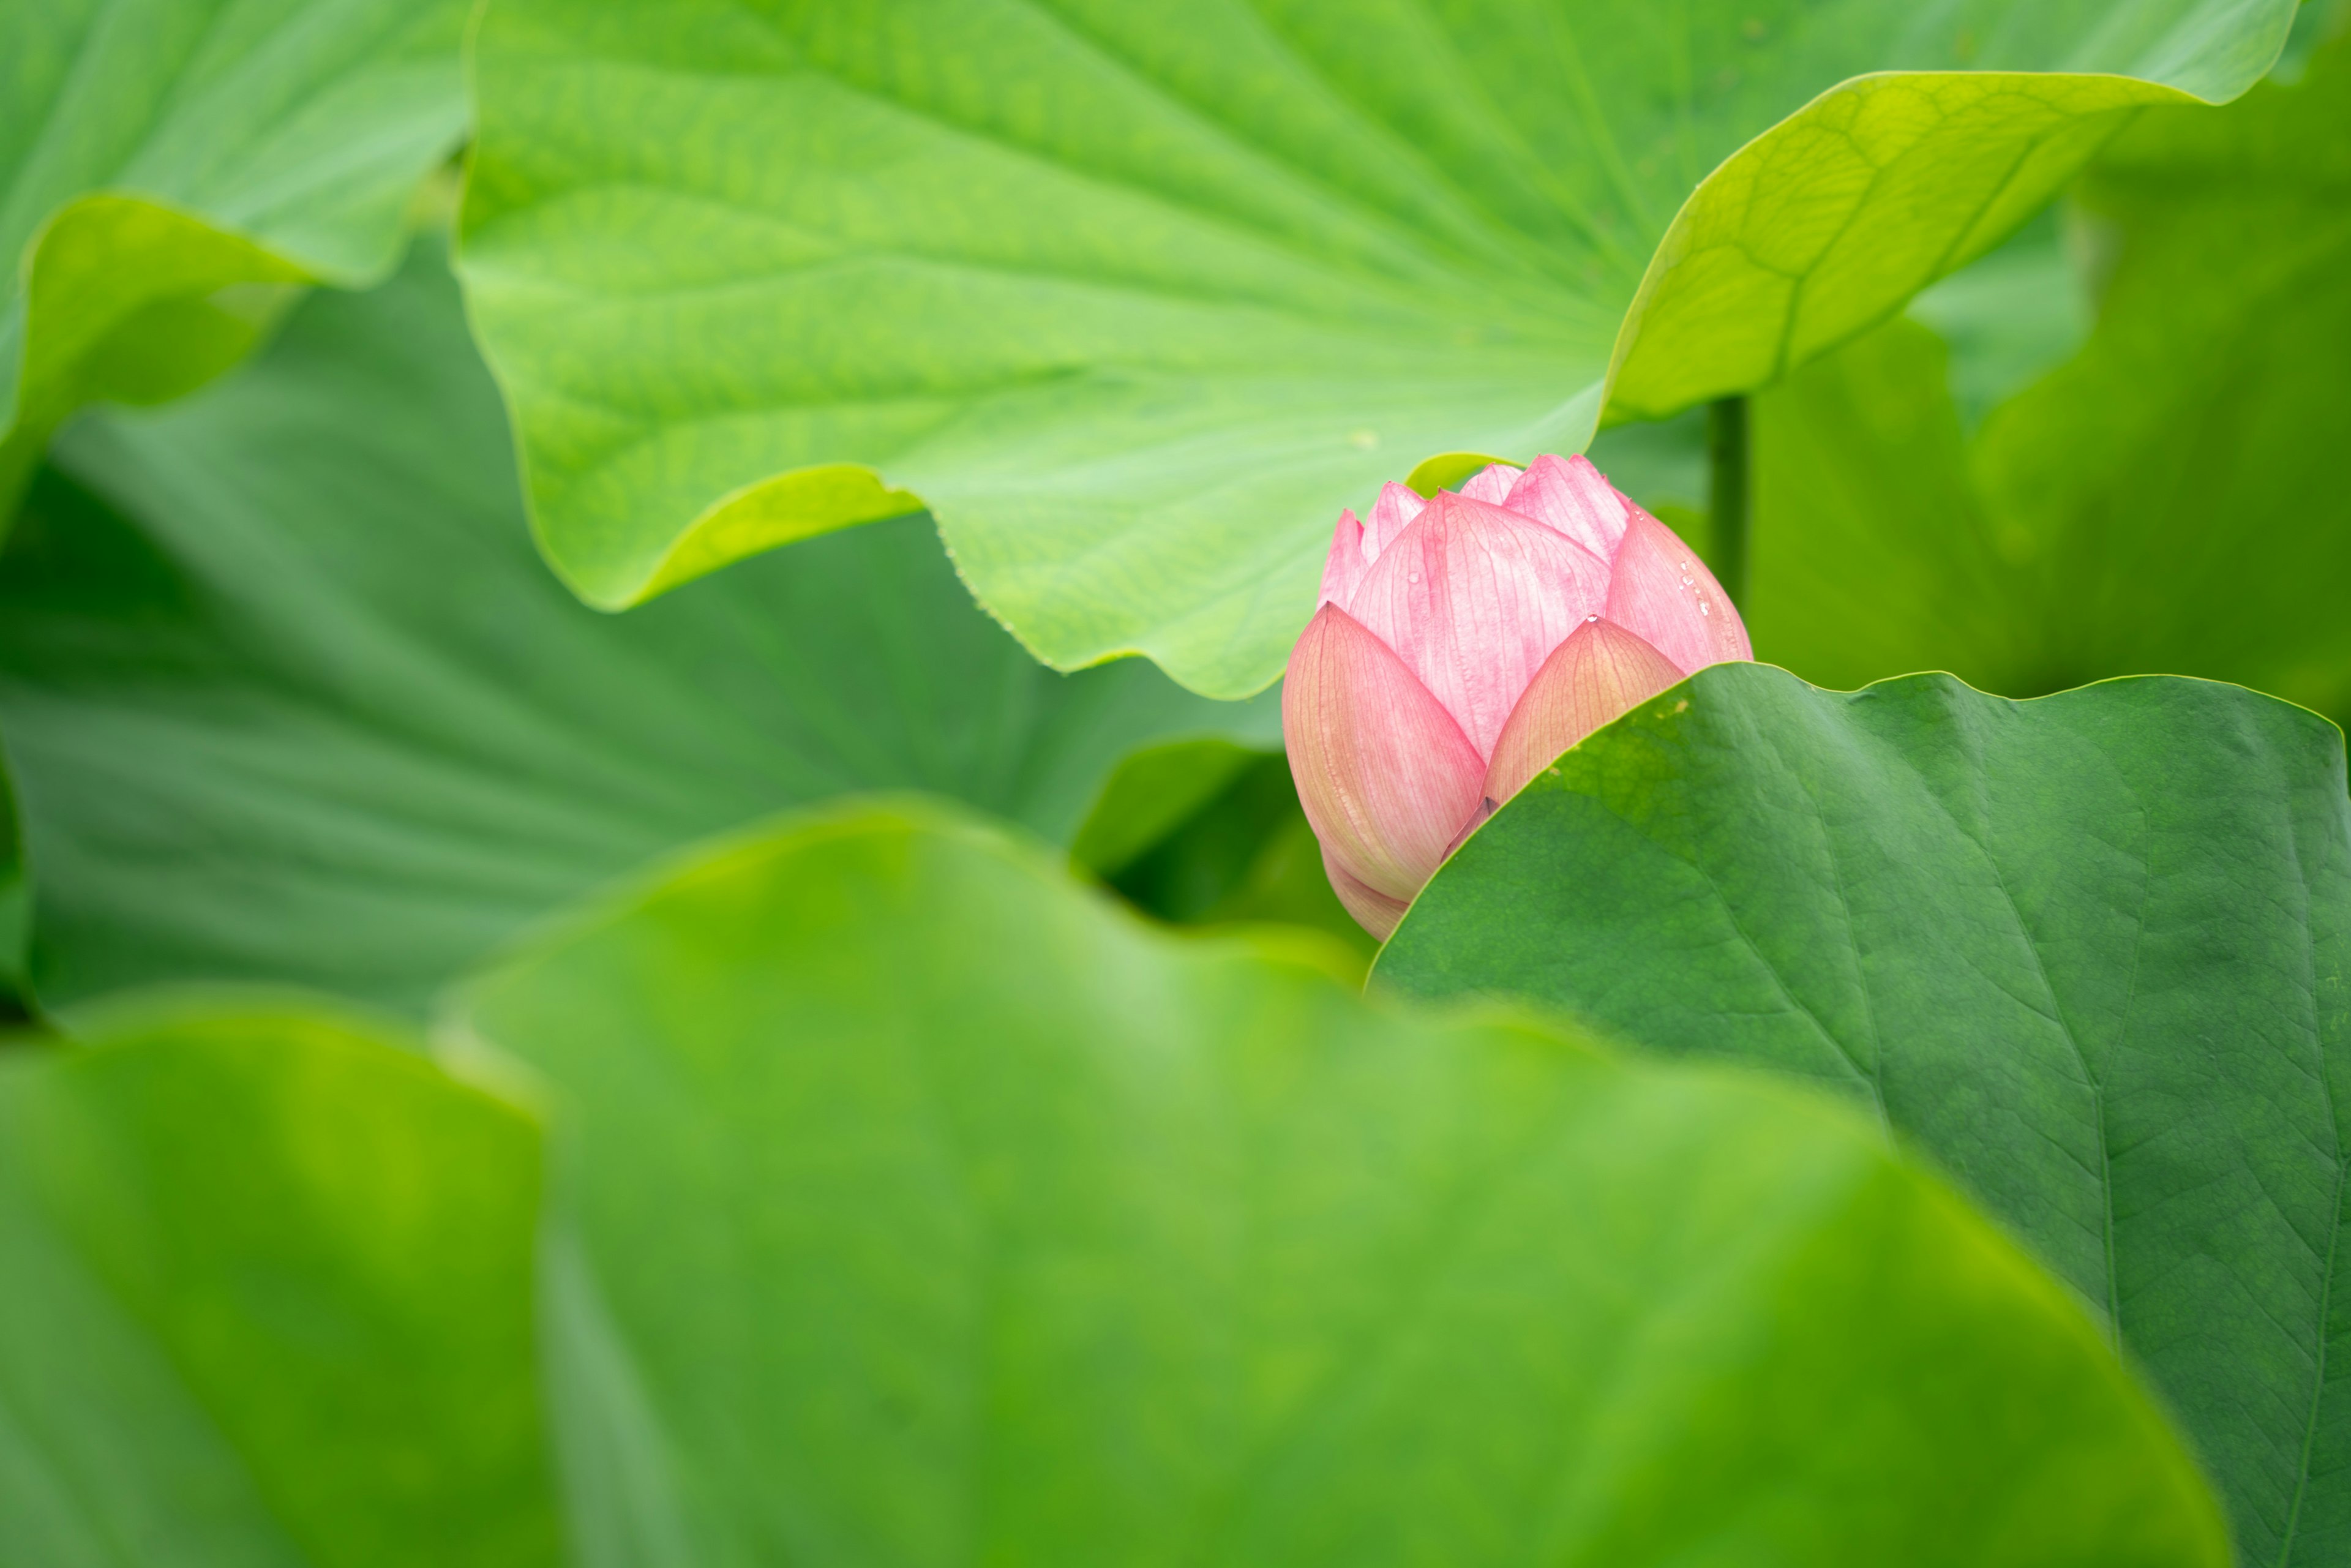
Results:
[1728, 507]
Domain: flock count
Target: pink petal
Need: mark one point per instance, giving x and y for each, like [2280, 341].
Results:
[1385, 775]
[1571, 497]
[1661, 591]
[1594, 675]
[1375, 910]
[1474, 598]
[1345, 565]
[1391, 515]
[1491, 483]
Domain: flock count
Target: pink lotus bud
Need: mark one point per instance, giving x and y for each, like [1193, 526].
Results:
[1463, 643]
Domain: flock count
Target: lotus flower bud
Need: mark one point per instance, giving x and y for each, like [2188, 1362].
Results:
[1463, 643]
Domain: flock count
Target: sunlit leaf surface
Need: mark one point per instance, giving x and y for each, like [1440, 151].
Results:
[1135, 299]
[2089, 952]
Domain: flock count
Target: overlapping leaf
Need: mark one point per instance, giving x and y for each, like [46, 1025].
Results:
[289, 696]
[919, 1209]
[2093, 952]
[1210, 834]
[2169, 499]
[169, 168]
[269, 1302]
[1136, 299]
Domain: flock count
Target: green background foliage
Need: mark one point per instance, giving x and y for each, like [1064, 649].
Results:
[2165, 500]
[2089, 952]
[1210, 834]
[393, 739]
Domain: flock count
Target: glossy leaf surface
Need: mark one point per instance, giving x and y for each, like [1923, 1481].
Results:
[2090, 952]
[268, 1302]
[922, 1208]
[289, 697]
[1136, 301]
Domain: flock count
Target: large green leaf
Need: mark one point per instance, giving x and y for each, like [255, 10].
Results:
[918, 1208]
[2169, 499]
[289, 697]
[169, 167]
[1137, 298]
[269, 1301]
[2090, 951]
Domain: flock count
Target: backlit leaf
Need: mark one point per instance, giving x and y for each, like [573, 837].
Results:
[1136, 298]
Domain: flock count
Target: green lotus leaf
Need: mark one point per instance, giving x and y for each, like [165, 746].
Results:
[289, 696]
[2164, 499]
[269, 1300]
[919, 1206]
[1136, 301]
[170, 169]
[2087, 951]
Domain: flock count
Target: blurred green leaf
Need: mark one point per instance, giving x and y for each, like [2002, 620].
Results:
[288, 697]
[1243, 855]
[916, 1208]
[16, 907]
[269, 1301]
[1153, 792]
[1207, 833]
[2011, 317]
[1873, 553]
[2168, 499]
[168, 168]
[2090, 952]
[1136, 299]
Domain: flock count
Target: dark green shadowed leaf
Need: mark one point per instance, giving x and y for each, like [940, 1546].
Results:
[2169, 498]
[1136, 298]
[269, 1301]
[1156, 791]
[2089, 952]
[1207, 834]
[169, 168]
[289, 697]
[1245, 854]
[16, 907]
[916, 1206]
